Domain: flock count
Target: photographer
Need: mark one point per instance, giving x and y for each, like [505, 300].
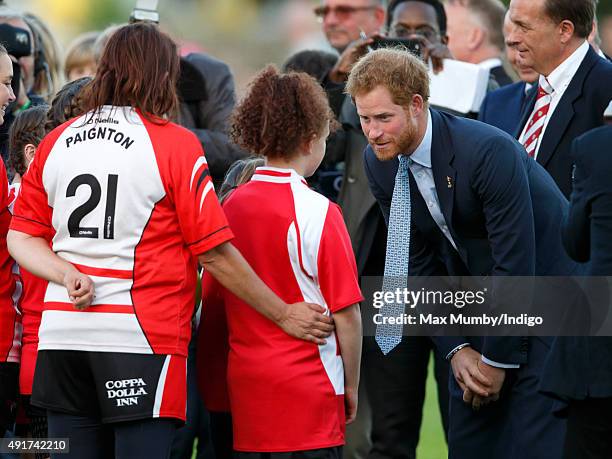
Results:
[17, 38]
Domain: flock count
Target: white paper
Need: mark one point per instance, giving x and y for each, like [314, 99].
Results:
[608, 111]
[460, 86]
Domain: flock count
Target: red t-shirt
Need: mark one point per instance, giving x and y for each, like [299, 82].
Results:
[286, 394]
[130, 203]
[10, 317]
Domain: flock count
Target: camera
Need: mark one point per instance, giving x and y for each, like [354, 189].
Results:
[17, 41]
[145, 11]
[412, 45]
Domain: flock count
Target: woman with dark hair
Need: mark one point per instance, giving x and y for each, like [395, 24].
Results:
[66, 104]
[126, 200]
[9, 319]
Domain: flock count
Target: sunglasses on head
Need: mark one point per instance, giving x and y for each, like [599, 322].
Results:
[341, 11]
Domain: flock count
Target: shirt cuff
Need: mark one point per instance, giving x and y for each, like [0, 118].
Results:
[499, 365]
[455, 350]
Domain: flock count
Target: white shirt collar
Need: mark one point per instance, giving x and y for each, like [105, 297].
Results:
[490, 63]
[422, 154]
[561, 77]
[276, 175]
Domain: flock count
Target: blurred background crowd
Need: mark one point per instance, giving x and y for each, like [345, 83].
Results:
[246, 34]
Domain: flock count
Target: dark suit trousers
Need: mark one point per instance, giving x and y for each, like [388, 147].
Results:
[521, 424]
[395, 385]
[589, 429]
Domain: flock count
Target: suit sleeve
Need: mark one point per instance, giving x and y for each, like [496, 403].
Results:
[576, 229]
[587, 234]
[482, 113]
[501, 182]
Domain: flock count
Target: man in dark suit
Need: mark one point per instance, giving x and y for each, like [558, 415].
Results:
[574, 85]
[480, 206]
[503, 108]
[579, 369]
[475, 34]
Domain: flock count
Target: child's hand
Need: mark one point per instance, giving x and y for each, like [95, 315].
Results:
[350, 404]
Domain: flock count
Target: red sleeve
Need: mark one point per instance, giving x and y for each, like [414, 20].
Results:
[32, 214]
[189, 184]
[3, 188]
[5, 258]
[336, 263]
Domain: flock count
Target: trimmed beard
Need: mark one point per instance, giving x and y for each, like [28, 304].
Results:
[398, 147]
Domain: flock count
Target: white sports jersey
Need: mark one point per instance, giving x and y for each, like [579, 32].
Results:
[129, 202]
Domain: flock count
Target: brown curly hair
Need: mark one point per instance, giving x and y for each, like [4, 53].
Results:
[27, 128]
[279, 113]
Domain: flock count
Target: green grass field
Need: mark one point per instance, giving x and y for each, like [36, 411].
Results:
[432, 444]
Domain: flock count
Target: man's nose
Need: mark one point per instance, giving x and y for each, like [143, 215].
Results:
[331, 18]
[374, 132]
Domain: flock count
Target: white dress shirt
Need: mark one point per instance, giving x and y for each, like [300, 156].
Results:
[419, 163]
[559, 79]
[491, 63]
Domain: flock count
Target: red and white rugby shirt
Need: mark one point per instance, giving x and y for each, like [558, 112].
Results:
[31, 305]
[130, 203]
[286, 394]
[10, 287]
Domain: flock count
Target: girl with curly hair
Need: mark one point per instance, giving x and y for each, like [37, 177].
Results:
[290, 398]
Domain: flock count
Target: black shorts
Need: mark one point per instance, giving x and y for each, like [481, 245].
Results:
[111, 386]
[322, 453]
[9, 392]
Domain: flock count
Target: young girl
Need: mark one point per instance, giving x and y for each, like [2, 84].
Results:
[25, 134]
[287, 395]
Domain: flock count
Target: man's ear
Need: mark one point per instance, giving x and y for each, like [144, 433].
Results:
[566, 31]
[28, 151]
[477, 36]
[379, 14]
[444, 39]
[417, 105]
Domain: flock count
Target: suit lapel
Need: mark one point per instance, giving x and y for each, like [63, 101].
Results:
[522, 98]
[565, 110]
[528, 104]
[445, 175]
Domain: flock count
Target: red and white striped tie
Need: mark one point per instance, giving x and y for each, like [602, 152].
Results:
[538, 118]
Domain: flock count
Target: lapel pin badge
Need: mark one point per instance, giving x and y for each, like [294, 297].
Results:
[449, 181]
